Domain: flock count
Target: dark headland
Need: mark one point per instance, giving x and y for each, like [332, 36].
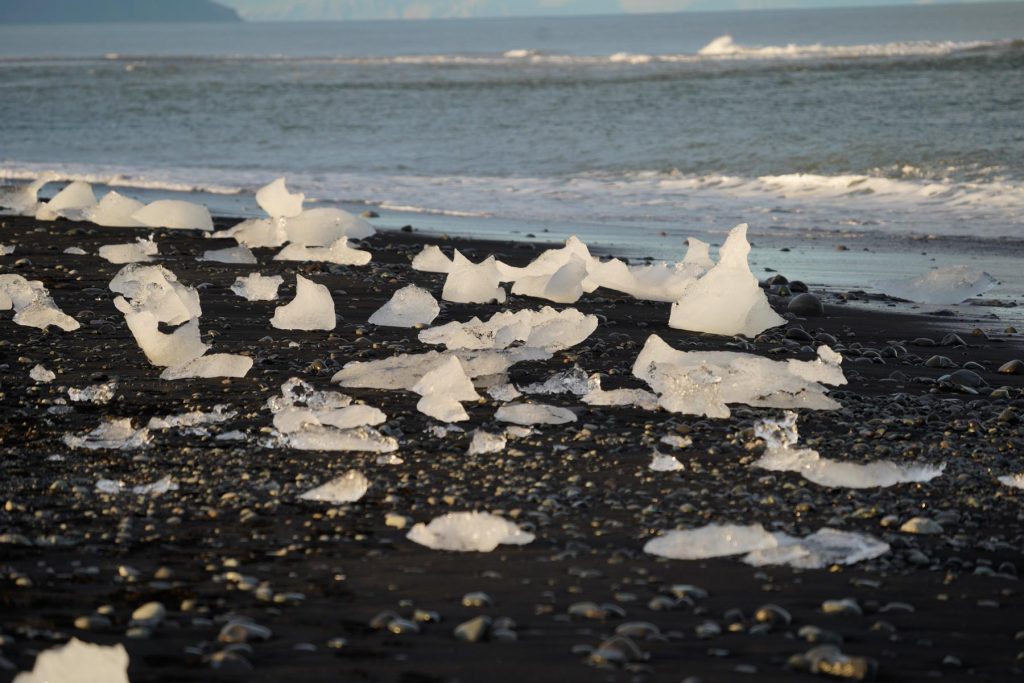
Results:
[97, 11]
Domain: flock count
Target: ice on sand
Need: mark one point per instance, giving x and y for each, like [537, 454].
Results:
[114, 211]
[79, 662]
[98, 394]
[257, 287]
[698, 255]
[485, 442]
[705, 382]
[157, 488]
[948, 285]
[71, 202]
[713, 540]
[661, 462]
[239, 254]
[348, 488]
[479, 532]
[193, 419]
[528, 414]
[782, 455]
[41, 375]
[574, 381]
[256, 233]
[24, 200]
[311, 309]
[162, 349]
[1013, 480]
[338, 253]
[545, 329]
[174, 214]
[157, 290]
[564, 286]
[442, 389]
[408, 307]
[140, 251]
[33, 306]
[405, 370]
[114, 434]
[727, 300]
[278, 202]
[6, 250]
[639, 398]
[322, 227]
[213, 365]
[473, 283]
[431, 260]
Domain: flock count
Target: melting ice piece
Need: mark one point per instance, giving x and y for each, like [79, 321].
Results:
[1013, 480]
[310, 428]
[141, 251]
[713, 540]
[676, 441]
[485, 442]
[164, 350]
[114, 434]
[256, 287]
[639, 398]
[311, 309]
[41, 374]
[408, 307]
[193, 419]
[704, 382]
[79, 662]
[948, 285]
[479, 532]
[661, 462]
[503, 392]
[360, 439]
[239, 254]
[473, 283]
[24, 200]
[574, 381]
[114, 211]
[323, 227]
[431, 260]
[564, 286]
[348, 488]
[32, 304]
[698, 255]
[297, 392]
[157, 488]
[213, 365]
[6, 250]
[442, 389]
[256, 232]
[351, 417]
[71, 202]
[99, 394]
[544, 329]
[278, 202]
[338, 253]
[728, 299]
[405, 370]
[528, 414]
[782, 455]
[157, 290]
[821, 549]
[174, 214]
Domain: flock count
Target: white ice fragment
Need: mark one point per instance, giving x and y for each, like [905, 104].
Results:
[278, 202]
[311, 309]
[157, 290]
[114, 211]
[479, 532]
[174, 214]
[99, 394]
[941, 286]
[109, 486]
[442, 389]
[517, 432]
[233, 435]
[164, 350]
[431, 260]
[75, 251]
[360, 439]
[405, 370]
[240, 254]
[443, 430]
[257, 287]
[727, 300]
[24, 200]
[528, 414]
[698, 255]
[1013, 480]
[298, 392]
[325, 226]
[485, 442]
[389, 459]
[140, 251]
[473, 283]
[256, 232]
[71, 202]
[33, 306]
[661, 462]
[676, 441]
[41, 375]
[193, 419]
[408, 307]
[574, 381]
[823, 548]
[782, 455]
[639, 398]
[503, 392]
[352, 416]
[545, 329]
[564, 286]
[6, 250]
[348, 488]
[212, 365]
[713, 540]
[115, 434]
[338, 253]
[157, 488]
[79, 662]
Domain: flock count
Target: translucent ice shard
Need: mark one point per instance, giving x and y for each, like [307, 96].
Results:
[661, 462]
[528, 414]
[473, 283]
[442, 389]
[431, 260]
[257, 232]
[71, 202]
[405, 370]
[115, 434]
[325, 226]
[948, 285]
[98, 394]
[24, 200]
[338, 253]
[348, 488]
[278, 202]
[240, 254]
[256, 287]
[41, 375]
[564, 286]
[174, 214]
[140, 251]
[157, 290]
[485, 442]
[162, 349]
[479, 532]
[698, 255]
[360, 439]
[545, 329]
[212, 365]
[311, 309]
[713, 540]
[32, 304]
[79, 662]
[1015, 481]
[639, 398]
[574, 381]
[408, 307]
[114, 211]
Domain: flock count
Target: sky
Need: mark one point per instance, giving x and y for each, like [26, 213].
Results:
[257, 10]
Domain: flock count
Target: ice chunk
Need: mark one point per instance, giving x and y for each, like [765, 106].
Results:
[213, 365]
[639, 398]
[98, 394]
[351, 417]
[485, 442]
[325, 226]
[408, 307]
[360, 439]
[1013, 480]
[75, 251]
[278, 202]
[823, 548]
[713, 540]
[114, 211]
[32, 304]
[503, 392]
[479, 532]
[79, 662]
[339, 253]
[550, 262]
[24, 200]
[431, 260]
[324, 423]
[348, 488]
[175, 214]
[157, 290]
[239, 254]
[574, 381]
[528, 414]
[473, 283]
[141, 251]
[162, 349]
[442, 389]
[727, 300]
[698, 255]
[547, 329]
[405, 370]
[193, 419]
[676, 441]
[41, 375]
[114, 434]
[782, 455]
[311, 309]
[71, 202]
[297, 392]
[157, 488]
[564, 286]
[256, 232]
[6, 250]
[256, 287]
[661, 462]
[948, 285]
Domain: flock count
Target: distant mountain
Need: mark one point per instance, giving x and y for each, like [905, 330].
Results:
[86, 11]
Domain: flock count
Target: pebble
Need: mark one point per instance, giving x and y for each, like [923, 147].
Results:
[844, 606]
[149, 615]
[921, 525]
[806, 305]
[473, 631]
[1013, 367]
[476, 599]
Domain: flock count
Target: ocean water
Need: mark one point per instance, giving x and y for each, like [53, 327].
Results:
[887, 121]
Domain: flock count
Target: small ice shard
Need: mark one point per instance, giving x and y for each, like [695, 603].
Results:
[727, 300]
[352, 416]
[278, 202]
[574, 381]
[348, 488]
[325, 226]
[256, 287]
[32, 304]
[479, 532]
[544, 329]
[1013, 480]
[713, 540]
[431, 260]
[164, 350]
[676, 441]
[442, 389]
[6, 250]
[660, 462]
[311, 309]
[389, 459]
[75, 251]
[70, 202]
[782, 455]
[79, 662]
[297, 392]
[408, 307]
[240, 254]
[193, 419]
[24, 200]
[564, 286]
[503, 392]
[485, 442]
[360, 439]
[141, 251]
[212, 365]
[157, 488]
[114, 434]
[405, 370]
[338, 253]
[698, 254]
[823, 548]
[941, 286]
[114, 211]
[472, 283]
[109, 486]
[528, 414]
[549, 262]
[41, 375]
[256, 233]
[174, 214]
[639, 398]
[98, 394]
[157, 290]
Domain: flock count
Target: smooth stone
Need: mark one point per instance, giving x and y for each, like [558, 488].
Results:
[845, 606]
[773, 614]
[474, 630]
[242, 632]
[616, 651]
[92, 622]
[806, 305]
[921, 525]
[476, 599]
[939, 362]
[1013, 367]
[149, 615]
